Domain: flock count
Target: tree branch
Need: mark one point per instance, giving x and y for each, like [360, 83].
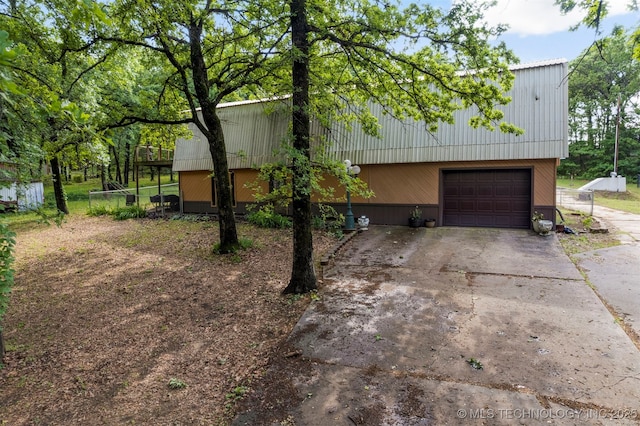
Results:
[130, 120]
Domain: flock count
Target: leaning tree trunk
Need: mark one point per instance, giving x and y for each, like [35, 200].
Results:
[226, 217]
[58, 190]
[303, 275]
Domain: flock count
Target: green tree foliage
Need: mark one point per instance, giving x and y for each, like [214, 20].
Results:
[7, 55]
[594, 12]
[209, 53]
[59, 60]
[133, 97]
[417, 61]
[603, 81]
[7, 244]
[9, 151]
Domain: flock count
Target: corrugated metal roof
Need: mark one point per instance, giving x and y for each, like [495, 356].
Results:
[544, 63]
[254, 130]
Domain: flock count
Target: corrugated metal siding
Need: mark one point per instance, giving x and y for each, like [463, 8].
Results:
[26, 195]
[539, 106]
[254, 131]
[192, 154]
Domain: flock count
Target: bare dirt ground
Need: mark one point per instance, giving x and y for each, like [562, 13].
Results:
[137, 322]
[584, 240]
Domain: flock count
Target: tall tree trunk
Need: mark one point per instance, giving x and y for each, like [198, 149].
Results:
[215, 137]
[1, 347]
[103, 178]
[58, 190]
[116, 161]
[127, 164]
[303, 274]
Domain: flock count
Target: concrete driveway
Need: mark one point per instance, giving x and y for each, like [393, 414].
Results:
[614, 272]
[452, 326]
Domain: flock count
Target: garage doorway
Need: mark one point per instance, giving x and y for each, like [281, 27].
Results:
[497, 198]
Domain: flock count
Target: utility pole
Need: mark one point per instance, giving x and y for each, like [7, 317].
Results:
[615, 155]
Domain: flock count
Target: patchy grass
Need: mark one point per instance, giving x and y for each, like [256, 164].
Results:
[583, 240]
[625, 201]
[628, 201]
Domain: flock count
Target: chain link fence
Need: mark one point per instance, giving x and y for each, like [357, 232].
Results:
[147, 197]
[575, 199]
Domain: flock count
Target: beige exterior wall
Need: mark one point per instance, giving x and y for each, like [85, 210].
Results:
[420, 183]
[195, 186]
[416, 183]
[243, 177]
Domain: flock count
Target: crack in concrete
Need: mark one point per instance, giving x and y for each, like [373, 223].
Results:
[498, 274]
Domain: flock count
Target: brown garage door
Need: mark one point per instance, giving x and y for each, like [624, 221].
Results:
[487, 198]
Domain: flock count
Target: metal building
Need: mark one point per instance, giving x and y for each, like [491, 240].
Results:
[458, 175]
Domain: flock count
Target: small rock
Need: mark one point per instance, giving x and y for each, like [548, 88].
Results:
[598, 230]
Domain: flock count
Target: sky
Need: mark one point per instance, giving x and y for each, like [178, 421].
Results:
[538, 31]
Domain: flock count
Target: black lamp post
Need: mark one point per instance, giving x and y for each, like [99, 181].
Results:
[349, 223]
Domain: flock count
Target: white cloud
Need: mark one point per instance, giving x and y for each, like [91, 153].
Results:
[538, 17]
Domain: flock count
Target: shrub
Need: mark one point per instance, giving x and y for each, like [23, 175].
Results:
[330, 220]
[121, 213]
[98, 211]
[129, 212]
[265, 217]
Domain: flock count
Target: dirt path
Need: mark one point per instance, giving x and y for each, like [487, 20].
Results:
[106, 315]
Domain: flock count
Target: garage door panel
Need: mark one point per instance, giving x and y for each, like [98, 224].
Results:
[485, 206]
[489, 219]
[485, 191]
[502, 190]
[482, 178]
[451, 205]
[487, 198]
[521, 206]
[467, 205]
[467, 191]
[523, 178]
[467, 220]
[450, 190]
[503, 206]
